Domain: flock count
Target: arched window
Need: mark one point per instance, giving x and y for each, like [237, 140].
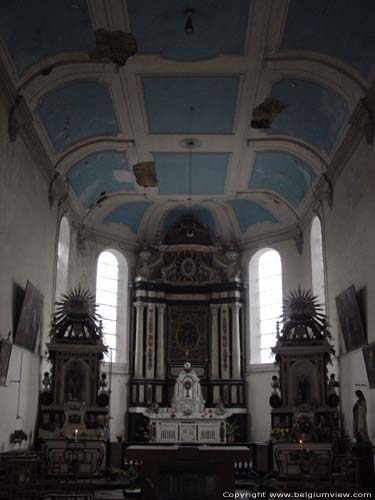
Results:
[111, 298]
[265, 280]
[62, 266]
[317, 261]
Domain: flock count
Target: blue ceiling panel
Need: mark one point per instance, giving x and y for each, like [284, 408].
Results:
[208, 172]
[33, 30]
[219, 27]
[106, 171]
[199, 213]
[249, 213]
[312, 113]
[283, 173]
[129, 214]
[187, 105]
[339, 28]
[78, 110]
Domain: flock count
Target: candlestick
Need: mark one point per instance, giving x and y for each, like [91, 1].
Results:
[300, 444]
[76, 435]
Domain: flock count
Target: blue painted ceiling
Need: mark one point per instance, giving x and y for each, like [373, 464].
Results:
[340, 28]
[76, 111]
[199, 213]
[208, 172]
[219, 27]
[105, 171]
[33, 30]
[312, 113]
[249, 213]
[130, 214]
[169, 102]
[188, 92]
[283, 173]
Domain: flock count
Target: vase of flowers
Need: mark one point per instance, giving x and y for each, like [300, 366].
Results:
[303, 428]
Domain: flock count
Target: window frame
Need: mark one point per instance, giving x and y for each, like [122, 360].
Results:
[254, 304]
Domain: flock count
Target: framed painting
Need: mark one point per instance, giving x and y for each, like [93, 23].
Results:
[5, 352]
[350, 318]
[29, 321]
[369, 358]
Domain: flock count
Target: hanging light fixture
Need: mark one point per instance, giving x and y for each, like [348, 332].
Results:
[190, 230]
[189, 27]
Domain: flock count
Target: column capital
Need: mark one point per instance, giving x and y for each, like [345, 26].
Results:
[236, 306]
[139, 305]
[161, 307]
[214, 307]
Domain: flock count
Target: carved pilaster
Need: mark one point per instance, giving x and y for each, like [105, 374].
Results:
[225, 347]
[160, 364]
[236, 342]
[138, 357]
[150, 342]
[214, 341]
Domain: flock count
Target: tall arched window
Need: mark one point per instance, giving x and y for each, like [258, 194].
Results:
[265, 290]
[317, 261]
[111, 298]
[62, 266]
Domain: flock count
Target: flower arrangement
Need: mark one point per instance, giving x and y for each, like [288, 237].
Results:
[303, 424]
[18, 436]
[280, 432]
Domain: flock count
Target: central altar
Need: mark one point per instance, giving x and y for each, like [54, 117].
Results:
[188, 420]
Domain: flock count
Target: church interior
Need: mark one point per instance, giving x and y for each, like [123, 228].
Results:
[187, 236]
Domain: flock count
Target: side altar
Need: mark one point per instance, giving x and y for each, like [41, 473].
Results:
[74, 401]
[188, 420]
[304, 400]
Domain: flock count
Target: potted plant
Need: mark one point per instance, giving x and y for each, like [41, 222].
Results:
[133, 490]
[232, 430]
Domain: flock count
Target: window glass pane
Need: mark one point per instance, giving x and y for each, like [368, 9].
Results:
[266, 356]
[107, 271]
[110, 356]
[268, 340]
[107, 312]
[110, 341]
[106, 284]
[106, 298]
[268, 302]
[108, 258]
[109, 327]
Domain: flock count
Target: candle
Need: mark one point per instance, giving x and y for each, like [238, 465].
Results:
[300, 444]
[76, 435]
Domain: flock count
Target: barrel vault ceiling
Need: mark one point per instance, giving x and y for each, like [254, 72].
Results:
[97, 120]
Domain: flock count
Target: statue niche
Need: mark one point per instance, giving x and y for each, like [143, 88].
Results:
[75, 381]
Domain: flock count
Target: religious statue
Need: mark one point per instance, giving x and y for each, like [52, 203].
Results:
[360, 431]
[303, 389]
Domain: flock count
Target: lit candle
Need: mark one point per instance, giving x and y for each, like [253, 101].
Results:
[76, 435]
[300, 444]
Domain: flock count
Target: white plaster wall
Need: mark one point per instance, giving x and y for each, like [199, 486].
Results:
[27, 249]
[350, 253]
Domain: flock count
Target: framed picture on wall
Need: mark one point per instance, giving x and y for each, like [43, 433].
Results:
[369, 358]
[29, 321]
[5, 352]
[350, 317]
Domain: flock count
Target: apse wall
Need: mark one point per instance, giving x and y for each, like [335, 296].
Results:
[350, 248]
[27, 252]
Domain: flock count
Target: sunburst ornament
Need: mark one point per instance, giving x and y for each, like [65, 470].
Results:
[303, 317]
[75, 316]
